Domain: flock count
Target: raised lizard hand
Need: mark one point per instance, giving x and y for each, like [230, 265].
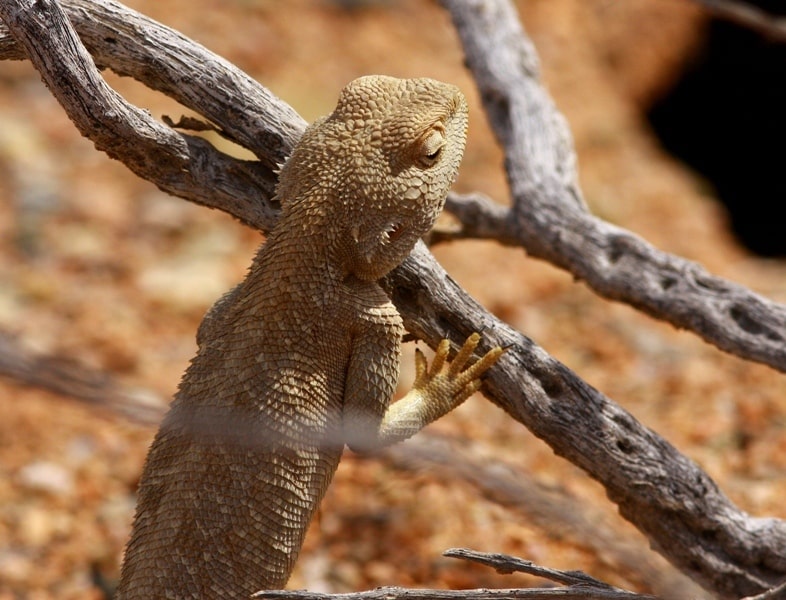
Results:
[436, 391]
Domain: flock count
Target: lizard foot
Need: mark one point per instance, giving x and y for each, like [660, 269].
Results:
[449, 389]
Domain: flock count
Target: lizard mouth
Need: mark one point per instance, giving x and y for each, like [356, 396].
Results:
[393, 232]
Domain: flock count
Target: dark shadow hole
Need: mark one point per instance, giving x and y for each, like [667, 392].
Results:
[726, 118]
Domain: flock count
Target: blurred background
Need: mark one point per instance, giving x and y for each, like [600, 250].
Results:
[106, 272]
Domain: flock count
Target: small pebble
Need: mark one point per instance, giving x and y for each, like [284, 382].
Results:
[47, 477]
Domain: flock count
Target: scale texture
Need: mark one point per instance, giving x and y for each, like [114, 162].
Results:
[302, 357]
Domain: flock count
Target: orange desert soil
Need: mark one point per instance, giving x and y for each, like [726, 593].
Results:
[101, 268]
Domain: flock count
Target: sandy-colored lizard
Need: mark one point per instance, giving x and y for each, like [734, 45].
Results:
[303, 356]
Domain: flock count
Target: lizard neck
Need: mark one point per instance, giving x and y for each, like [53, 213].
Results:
[300, 250]
[311, 237]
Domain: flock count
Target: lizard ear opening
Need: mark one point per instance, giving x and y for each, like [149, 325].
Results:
[429, 147]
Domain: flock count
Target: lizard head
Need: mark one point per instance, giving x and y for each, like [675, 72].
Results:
[379, 168]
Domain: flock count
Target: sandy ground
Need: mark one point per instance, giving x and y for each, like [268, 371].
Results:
[103, 269]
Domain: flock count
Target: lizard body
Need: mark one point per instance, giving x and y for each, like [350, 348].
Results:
[303, 356]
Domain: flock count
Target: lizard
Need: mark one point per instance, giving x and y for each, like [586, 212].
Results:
[302, 357]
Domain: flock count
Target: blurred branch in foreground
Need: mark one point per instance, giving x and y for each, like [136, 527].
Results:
[551, 508]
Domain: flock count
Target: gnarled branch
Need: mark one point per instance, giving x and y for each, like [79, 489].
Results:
[550, 221]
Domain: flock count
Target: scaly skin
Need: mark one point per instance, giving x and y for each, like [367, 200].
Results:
[303, 356]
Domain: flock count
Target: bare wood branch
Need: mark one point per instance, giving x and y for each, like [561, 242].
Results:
[179, 164]
[579, 586]
[615, 263]
[666, 495]
[503, 563]
[749, 16]
[551, 221]
[479, 218]
[169, 62]
[776, 593]
[396, 593]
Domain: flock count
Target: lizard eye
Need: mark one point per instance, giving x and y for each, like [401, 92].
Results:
[430, 146]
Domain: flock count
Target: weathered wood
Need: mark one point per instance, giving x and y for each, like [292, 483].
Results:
[661, 491]
[550, 220]
[397, 593]
[553, 509]
[578, 585]
[134, 45]
[665, 494]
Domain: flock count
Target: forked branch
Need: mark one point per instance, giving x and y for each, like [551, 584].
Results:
[550, 220]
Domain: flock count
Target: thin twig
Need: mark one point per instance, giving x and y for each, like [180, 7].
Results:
[748, 16]
[776, 593]
[578, 585]
[551, 508]
[505, 564]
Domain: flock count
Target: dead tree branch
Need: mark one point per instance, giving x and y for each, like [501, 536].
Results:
[551, 508]
[776, 593]
[578, 585]
[665, 494]
[661, 491]
[505, 564]
[397, 593]
[164, 60]
[549, 218]
[614, 262]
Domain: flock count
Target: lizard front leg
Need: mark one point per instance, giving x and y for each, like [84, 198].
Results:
[435, 392]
